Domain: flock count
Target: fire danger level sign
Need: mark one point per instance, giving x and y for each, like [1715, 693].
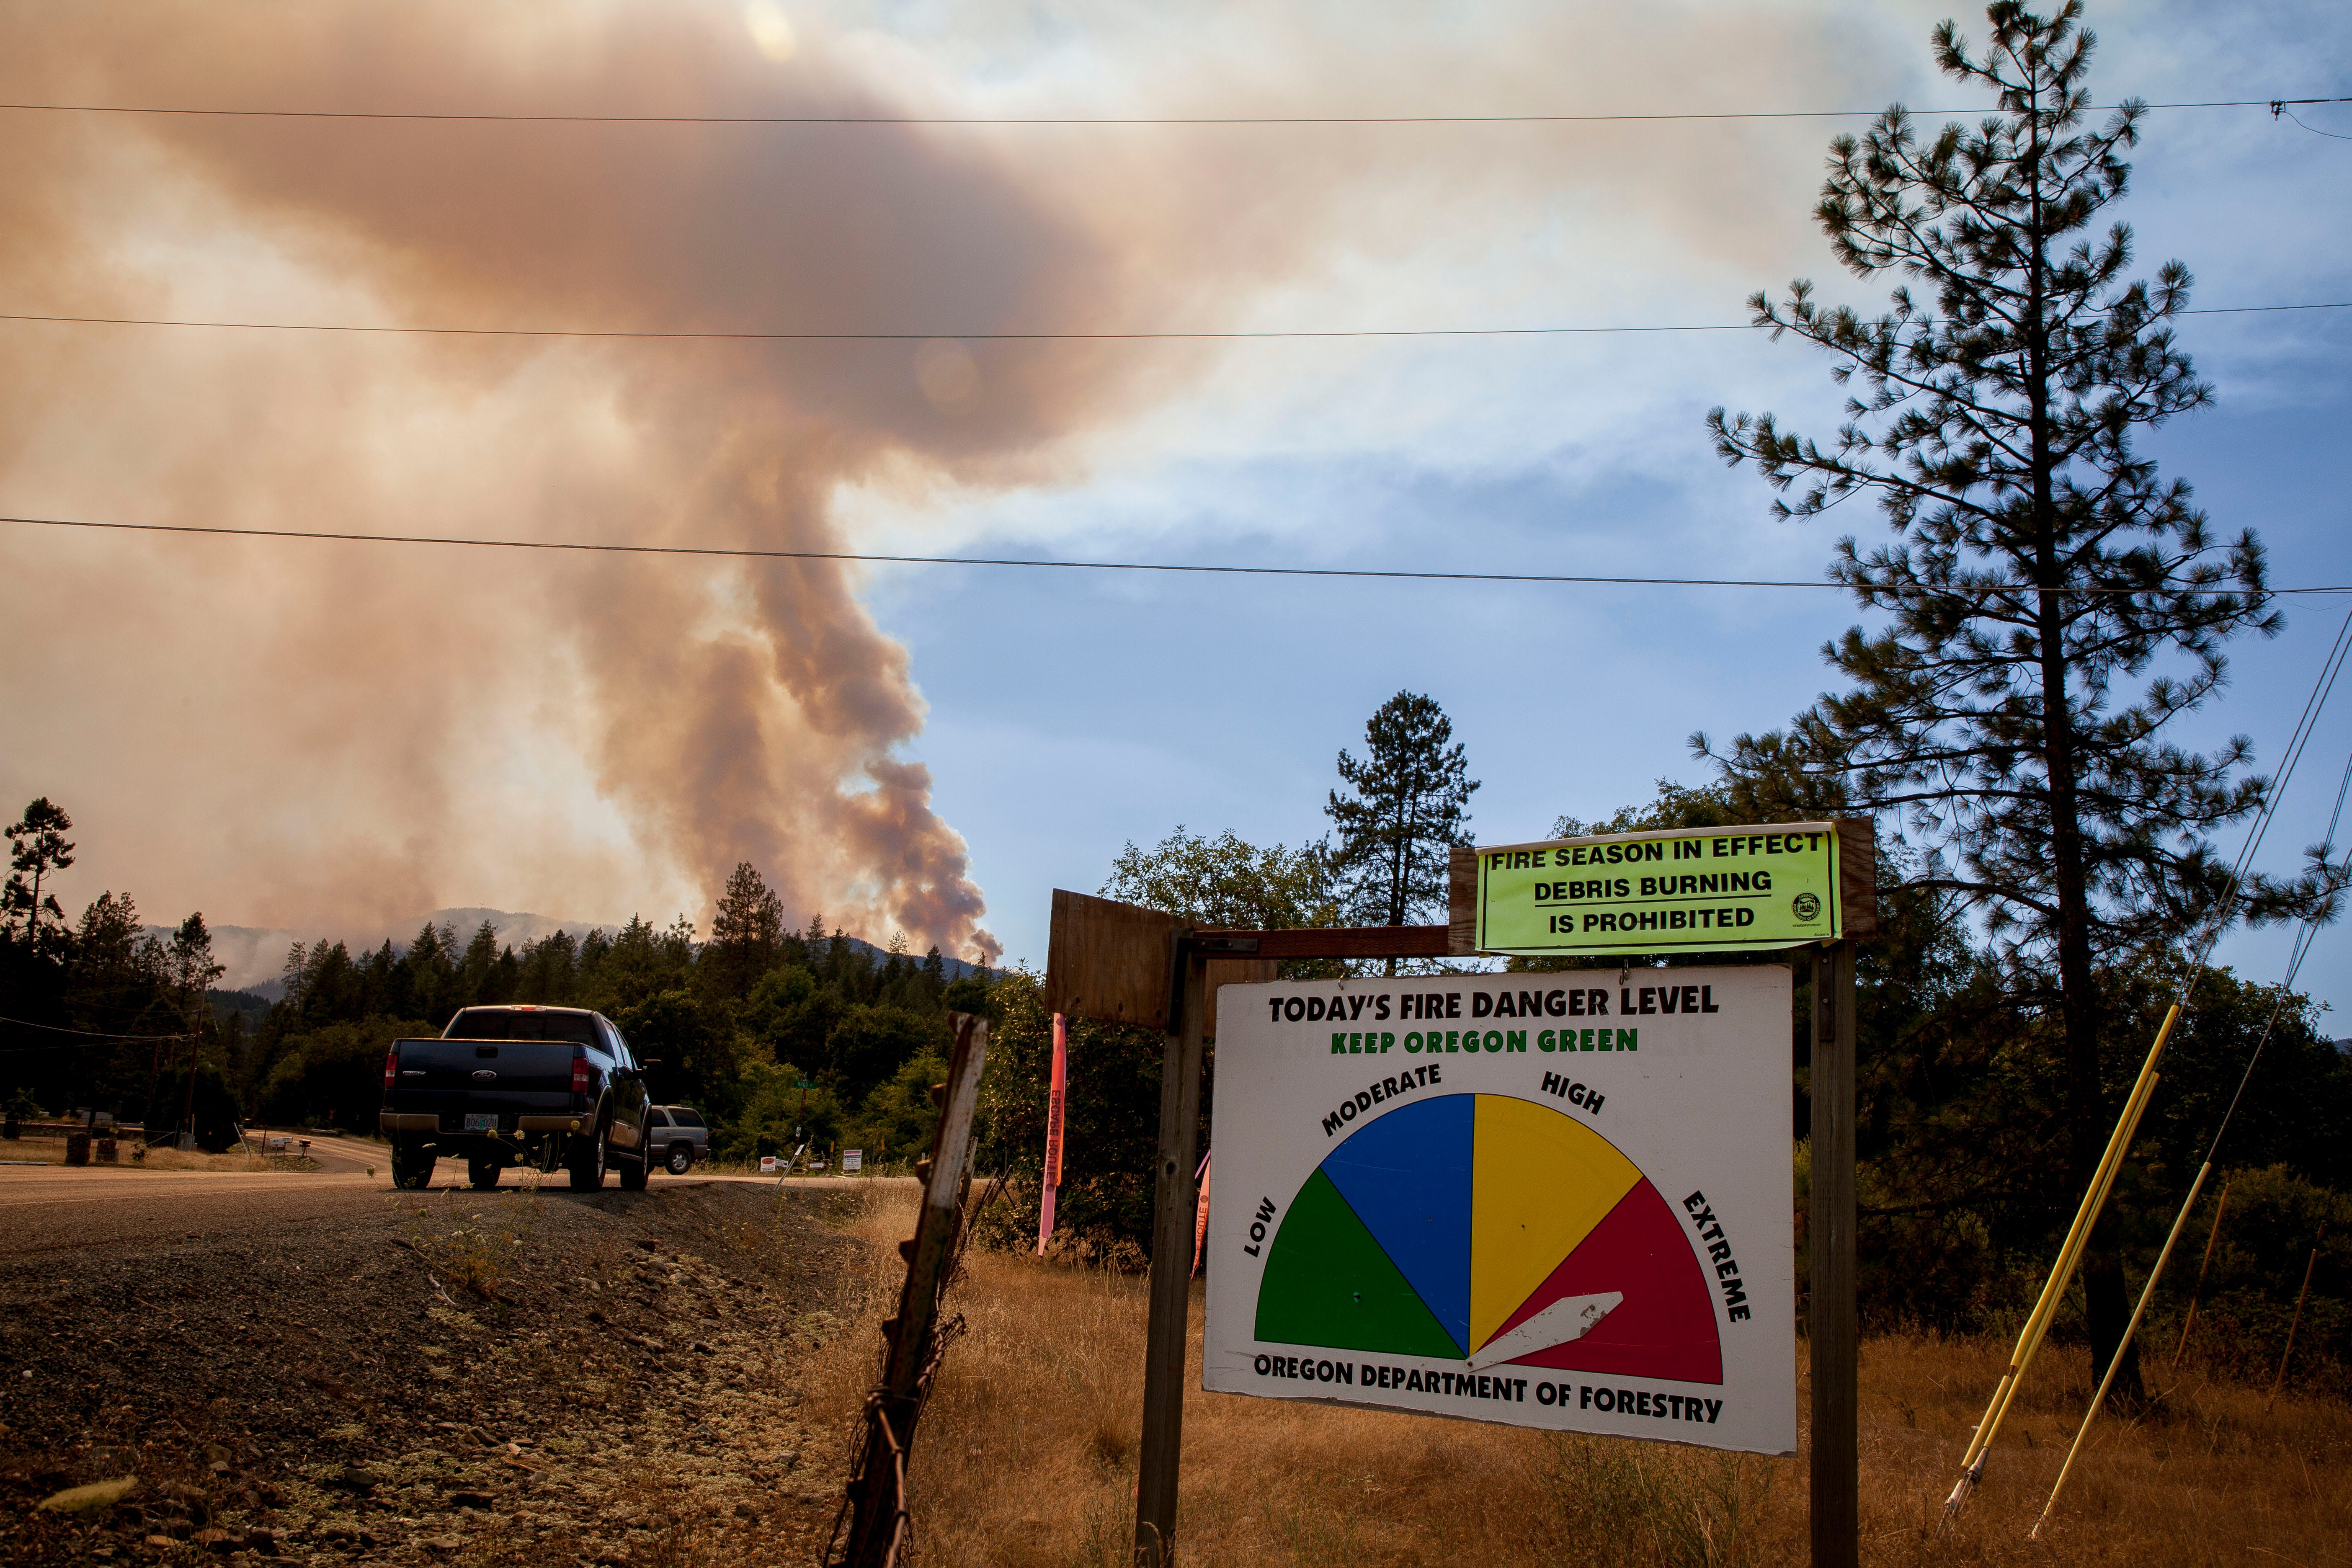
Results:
[1547, 1200]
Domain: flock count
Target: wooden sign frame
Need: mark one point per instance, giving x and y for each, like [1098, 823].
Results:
[1123, 964]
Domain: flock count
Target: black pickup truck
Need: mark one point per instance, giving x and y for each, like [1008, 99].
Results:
[544, 1087]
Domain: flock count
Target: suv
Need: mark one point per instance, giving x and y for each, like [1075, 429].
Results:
[676, 1137]
[550, 1087]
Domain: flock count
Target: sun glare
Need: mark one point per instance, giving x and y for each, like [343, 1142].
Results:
[771, 30]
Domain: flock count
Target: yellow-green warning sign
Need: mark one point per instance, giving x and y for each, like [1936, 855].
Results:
[1681, 889]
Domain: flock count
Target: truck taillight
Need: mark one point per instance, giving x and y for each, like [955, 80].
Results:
[390, 1067]
[579, 1070]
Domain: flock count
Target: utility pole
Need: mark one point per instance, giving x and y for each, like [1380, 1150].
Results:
[147, 1108]
[195, 1044]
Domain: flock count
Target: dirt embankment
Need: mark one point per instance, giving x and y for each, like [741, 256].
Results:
[439, 1377]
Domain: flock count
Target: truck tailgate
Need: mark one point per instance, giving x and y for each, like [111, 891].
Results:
[458, 1078]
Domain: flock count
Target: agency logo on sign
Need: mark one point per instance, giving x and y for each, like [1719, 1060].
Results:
[1805, 907]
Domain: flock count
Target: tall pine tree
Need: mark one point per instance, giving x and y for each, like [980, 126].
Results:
[2047, 608]
[1406, 805]
[746, 934]
[37, 851]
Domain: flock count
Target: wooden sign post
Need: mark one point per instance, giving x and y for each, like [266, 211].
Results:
[1172, 1202]
[1830, 1328]
[1120, 964]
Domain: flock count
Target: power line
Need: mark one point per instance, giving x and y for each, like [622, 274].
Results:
[87, 1034]
[1308, 334]
[2305, 724]
[2300, 948]
[2277, 109]
[745, 553]
[1074, 120]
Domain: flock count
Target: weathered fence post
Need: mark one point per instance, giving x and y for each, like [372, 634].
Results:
[878, 1489]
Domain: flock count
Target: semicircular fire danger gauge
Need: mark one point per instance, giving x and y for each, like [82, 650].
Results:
[1482, 1197]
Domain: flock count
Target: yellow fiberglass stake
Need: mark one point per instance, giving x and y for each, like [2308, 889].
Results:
[2116, 1359]
[2061, 1274]
[2069, 1257]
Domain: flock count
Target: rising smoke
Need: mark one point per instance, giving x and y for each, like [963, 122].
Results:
[298, 733]
[727, 711]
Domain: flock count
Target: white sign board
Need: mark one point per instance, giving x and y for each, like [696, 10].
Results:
[852, 1160]
[1547, 1200]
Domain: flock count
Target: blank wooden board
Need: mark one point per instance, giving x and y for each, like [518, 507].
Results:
[1858, 878]
[1109, 961]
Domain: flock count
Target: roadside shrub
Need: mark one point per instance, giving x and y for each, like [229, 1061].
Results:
[693, 1050]
[2268, 1228]
[213, 1109]
[334, 1076]
[871, 1043]
[900, 1119]
[1110, 1122]
[771, 1101]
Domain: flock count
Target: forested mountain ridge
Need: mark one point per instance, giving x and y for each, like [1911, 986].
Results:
[252, 958]
[738, 1023]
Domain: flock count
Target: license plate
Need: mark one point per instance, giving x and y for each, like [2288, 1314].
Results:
[481, 1122]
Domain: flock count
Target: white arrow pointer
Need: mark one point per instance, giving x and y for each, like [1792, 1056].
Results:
[1564, 1322]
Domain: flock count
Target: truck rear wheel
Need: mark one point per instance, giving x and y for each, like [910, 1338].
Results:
[411, 1164]
[681, 1159]
[482, 1172]
[587, 1162]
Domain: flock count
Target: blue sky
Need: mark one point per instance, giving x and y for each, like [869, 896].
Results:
[1071, 713]
[212, 721]
[1082, 712]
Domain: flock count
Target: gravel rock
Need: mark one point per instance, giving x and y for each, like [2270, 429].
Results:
[421, 1378]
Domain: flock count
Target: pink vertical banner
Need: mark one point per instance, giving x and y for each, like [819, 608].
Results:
[1053, 1101]
[1200, 1216]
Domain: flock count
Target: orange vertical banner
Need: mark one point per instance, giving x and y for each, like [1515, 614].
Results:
[1054, 1103]
[1201, 1217]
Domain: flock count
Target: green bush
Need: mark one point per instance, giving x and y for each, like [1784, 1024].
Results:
[771, 1107]
[900, 1119]
[691, 1049]
[873, 1041]
[333, 1075]
[212, 1109]
[2268, 1228]
[1110, 1122]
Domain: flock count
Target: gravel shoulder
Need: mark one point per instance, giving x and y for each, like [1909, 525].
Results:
[315, 1368]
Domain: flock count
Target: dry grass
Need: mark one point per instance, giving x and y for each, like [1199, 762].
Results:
[1026, 1457]
[472, 1245]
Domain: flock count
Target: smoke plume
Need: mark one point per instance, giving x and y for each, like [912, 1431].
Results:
[290, 732]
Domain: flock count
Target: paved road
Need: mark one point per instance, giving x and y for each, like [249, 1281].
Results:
[57, 1211]
[341, 1154]
[52, 1209]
